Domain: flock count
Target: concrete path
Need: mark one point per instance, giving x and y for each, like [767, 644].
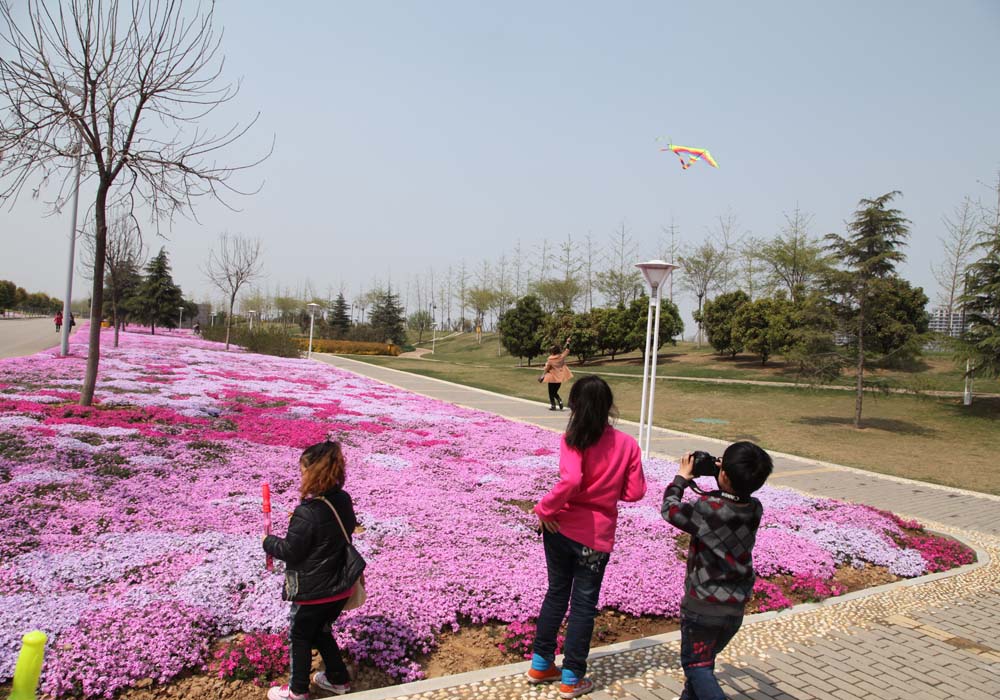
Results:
[26, 336]
[937, 637]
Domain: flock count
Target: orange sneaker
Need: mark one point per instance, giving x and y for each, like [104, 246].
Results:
[552, 673]
[581, 687]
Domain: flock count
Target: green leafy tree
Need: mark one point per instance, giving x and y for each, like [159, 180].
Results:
[386, 318]
[7, 295]
[980, 345]
[717, 321]
[810, 343]
[794, 260]
[897, 323]
[583, 337]
[868, 254]
[613, 328]
[557, 294]
[340, 319]
[762, 326]
[520, 328]
[671, 324]
[157, 299]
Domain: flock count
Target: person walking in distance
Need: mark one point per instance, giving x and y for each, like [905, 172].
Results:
[556, 373]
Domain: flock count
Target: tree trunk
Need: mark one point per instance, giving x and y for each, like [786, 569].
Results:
[860, 381]
[97, 294]
[229, 318]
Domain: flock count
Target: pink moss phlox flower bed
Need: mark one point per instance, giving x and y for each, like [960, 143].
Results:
[130, 531]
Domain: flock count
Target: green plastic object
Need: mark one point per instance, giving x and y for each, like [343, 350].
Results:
[29, 666]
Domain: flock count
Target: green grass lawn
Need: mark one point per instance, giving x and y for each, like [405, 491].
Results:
[920, 437]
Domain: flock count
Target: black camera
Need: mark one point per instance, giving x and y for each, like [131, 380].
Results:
[704, 464]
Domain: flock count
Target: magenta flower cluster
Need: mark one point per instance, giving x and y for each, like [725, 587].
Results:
[256, 656]
[130, 530]
[519, 639]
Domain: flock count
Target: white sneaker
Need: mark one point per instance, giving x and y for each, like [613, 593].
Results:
[320, 679]
[282, 692]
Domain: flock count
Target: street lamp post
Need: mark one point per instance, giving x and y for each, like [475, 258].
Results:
[251, 313]
[180, 317]
[312, 320]
[433, 329]
[64, 340]
[656, 273]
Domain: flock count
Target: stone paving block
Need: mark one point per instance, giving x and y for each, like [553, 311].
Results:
[639, 692]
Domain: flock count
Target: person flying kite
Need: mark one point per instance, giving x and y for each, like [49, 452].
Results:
[693, 154]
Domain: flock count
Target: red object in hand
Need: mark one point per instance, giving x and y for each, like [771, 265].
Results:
[267, 522]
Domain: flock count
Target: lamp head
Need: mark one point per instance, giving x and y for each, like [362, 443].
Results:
[656, 272]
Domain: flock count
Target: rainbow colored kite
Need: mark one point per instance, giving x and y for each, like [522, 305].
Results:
[694, 155]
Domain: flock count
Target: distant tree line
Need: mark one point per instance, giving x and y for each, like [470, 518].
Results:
[16, 298]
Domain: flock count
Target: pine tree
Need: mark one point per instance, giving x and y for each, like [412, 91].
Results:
[869, 255]
[981, 343]
[158, 299]
[387, 319]
[340, 320]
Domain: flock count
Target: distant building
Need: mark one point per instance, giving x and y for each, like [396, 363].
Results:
[948, 323]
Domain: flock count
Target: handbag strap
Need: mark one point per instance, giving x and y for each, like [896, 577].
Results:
[337, 516]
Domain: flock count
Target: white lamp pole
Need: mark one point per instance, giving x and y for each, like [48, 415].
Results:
[180, 317]
[433, 329]
[967, 394]
[251, 313]
[312, 320]
[64, 340]
[656, 273]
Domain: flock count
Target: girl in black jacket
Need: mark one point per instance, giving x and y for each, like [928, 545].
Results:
[314, 553]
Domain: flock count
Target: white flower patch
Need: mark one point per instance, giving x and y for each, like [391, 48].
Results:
[34, 398]
[17, 421]
[489, 479]
[43, 476]
[392, 462]
[106, 431]
[538, 461]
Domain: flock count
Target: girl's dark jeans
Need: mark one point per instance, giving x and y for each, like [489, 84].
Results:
[309, 629]
[702, 638]
[575, 576]
[554, 392]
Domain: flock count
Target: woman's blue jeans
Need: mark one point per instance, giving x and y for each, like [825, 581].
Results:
[575, 576]
[702, 638]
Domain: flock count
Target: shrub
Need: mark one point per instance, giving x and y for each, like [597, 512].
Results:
[264, 339]
[348, 347]
[769, 596]
[940, 553]
[814, 589]
[256, 656]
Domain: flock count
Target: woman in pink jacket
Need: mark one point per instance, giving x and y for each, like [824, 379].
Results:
[598, 467]
[555, 373]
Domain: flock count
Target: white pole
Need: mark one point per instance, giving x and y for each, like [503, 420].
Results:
[64, 342]
[645, 372]
[967, 396]
[180, 318]
[312, 319]
[652, 375]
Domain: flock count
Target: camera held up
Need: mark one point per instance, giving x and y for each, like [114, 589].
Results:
[705, 464]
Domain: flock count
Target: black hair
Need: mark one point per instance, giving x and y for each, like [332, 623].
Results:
[747, 467]
[591, 404]
[555, 350]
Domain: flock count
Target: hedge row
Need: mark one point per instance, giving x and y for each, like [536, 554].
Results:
[349, 347]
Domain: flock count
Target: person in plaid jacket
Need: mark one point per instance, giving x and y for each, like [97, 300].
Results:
[720, 577]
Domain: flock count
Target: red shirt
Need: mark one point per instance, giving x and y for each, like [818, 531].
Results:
[585, 500]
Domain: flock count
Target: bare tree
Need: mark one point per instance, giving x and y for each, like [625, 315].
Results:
[670, 251]
[123, 256]
[124, 88]
[589, 255]
[727, 239]
[751, 265]
[793, 258]
[236, 262]
[621, 281]
[701, 270]
[956, 250]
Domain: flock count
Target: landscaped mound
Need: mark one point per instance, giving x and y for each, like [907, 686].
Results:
[130, 531]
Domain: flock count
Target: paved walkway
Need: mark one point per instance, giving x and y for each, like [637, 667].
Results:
[26, 336]
[934, 638]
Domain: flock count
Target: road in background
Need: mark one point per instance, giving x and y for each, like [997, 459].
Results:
[26, 336]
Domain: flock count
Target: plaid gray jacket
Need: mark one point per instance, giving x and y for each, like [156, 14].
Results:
[720, 574]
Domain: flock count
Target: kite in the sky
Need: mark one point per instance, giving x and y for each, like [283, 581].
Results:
[693, 154]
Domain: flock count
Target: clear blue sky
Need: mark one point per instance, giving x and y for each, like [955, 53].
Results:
[411, 135]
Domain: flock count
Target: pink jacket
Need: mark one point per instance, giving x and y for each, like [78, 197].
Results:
[585, 500]
[556, 370]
